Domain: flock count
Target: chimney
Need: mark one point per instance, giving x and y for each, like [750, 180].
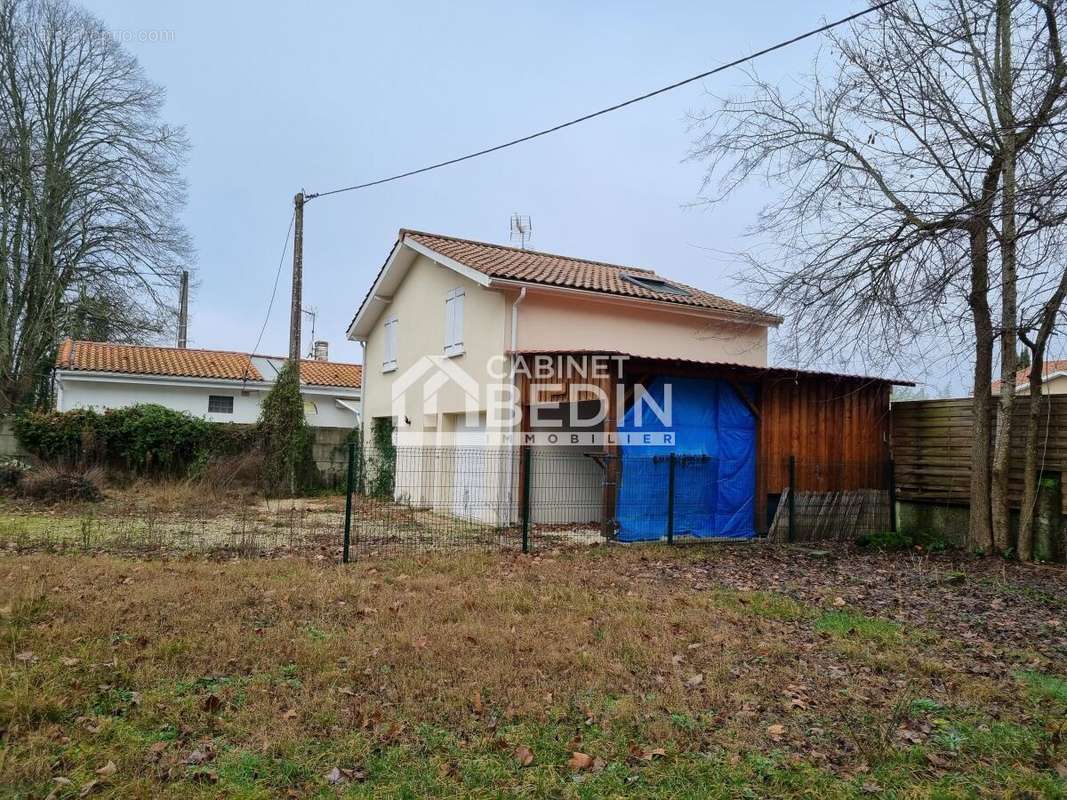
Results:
[321, 350]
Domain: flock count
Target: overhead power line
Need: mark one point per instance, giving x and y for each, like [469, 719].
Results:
[273, 293]
[633, 100]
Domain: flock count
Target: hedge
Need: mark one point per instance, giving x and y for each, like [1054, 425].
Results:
[141, 439]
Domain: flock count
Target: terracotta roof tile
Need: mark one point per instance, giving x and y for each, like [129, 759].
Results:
[1022, 377]
[142, 360]
[331, 373]
[187, 363]
[498, 261]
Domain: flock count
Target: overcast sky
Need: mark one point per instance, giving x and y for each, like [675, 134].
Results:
[319, 95]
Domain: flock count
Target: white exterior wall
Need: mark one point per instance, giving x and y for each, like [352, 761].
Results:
[101, 393]
[418, 305]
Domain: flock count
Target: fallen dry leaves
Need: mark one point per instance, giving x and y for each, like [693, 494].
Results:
[683, 642]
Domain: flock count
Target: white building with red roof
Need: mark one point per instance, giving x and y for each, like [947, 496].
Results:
[219, 385]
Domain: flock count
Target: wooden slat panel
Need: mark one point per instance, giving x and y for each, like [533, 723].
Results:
[932, 446]
[836, 428]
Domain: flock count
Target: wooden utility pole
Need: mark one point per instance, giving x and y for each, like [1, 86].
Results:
[183, 311]
[296, 309]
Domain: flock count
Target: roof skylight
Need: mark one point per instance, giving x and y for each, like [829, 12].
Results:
[654, 284]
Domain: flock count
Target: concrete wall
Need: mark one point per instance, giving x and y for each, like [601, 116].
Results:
[330, 451]
[9, 445]
[950, 522]
[104, 393]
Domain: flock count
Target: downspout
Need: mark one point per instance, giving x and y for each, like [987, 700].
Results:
[515, 341]
[514, 382]
[362, 393]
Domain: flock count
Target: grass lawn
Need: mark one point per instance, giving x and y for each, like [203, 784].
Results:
[697, 672]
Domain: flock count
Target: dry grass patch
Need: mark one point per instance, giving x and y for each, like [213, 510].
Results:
[437, 676]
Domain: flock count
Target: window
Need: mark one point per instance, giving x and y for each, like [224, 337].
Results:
[310, 407]
[389, 355]
[454, 323]
[219, 404]
[654, 284]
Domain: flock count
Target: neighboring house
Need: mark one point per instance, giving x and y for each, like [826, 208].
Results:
[1054, 379]
[460, 319]
[218, 385]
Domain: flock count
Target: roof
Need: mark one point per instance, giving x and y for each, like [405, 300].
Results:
[732, 366]
[534, 267]
[1022, 377]
[331, 373]
[129, 359]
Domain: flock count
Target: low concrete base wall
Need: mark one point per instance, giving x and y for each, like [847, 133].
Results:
[948, 522]
[951, 522]
[330, 450]
[9, 445]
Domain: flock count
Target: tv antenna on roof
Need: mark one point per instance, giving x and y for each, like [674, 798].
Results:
[312, 312]
[521, 229]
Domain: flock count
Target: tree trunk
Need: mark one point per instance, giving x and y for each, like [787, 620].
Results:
[1031, 476]
[1001, 510]
[980, 533]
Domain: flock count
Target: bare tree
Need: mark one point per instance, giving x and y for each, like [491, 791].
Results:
[1035, 333]
[90, 189]
[895, 225]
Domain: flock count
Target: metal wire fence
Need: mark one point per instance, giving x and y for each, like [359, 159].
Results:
[425, 499]
[535, 498]
[225, 513]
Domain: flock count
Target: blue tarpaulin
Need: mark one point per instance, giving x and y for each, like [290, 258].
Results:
[714, 443]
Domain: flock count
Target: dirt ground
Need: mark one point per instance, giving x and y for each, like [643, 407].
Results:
[733, 671]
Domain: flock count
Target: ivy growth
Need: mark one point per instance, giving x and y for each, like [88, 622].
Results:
[141, 440]
[289, 465]
[382, 477]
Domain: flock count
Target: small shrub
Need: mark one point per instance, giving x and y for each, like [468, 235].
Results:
[69, 437]
[51, 485]
[892, 541]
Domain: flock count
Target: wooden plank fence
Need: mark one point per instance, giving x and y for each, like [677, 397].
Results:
[932, 447]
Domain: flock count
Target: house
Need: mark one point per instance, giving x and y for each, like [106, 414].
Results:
[451, 325]
[219, 385]
[1053, 374]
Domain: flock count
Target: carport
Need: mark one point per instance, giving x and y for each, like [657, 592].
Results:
[746, 436]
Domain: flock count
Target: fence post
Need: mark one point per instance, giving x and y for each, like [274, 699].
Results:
[891, 475]
[526, 498]
[670, 499]
[349, 488]
[792, 498]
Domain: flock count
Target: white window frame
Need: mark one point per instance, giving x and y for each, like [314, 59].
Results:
[454, 323]
[389, 330]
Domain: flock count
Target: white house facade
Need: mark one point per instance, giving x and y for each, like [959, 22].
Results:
[221, 386]
[442, 305]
